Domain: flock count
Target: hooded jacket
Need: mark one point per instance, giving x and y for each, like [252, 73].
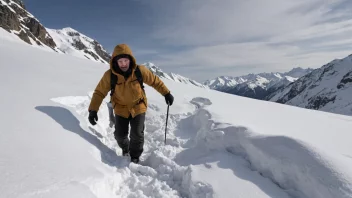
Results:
[128, 98]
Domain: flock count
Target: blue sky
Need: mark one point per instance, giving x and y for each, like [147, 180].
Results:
[203, 39]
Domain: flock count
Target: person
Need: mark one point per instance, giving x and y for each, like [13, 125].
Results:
[129, 100]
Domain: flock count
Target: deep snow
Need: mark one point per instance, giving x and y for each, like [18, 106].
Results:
[218, 145]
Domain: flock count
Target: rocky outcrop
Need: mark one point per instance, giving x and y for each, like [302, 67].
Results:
[39, 32]
[14, 18]
[8, 19]
[101, 51]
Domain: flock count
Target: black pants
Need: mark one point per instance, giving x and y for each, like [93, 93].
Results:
[136, 142]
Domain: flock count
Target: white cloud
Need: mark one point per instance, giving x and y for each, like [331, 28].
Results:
[235, 59]
[142, 52]
[230, 35]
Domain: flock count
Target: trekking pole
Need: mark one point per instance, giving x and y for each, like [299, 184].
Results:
[167, 116]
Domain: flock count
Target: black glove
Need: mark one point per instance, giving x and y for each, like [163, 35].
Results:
[93, 117]
[169, 99]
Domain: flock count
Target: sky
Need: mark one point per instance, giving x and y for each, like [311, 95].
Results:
[204, 39]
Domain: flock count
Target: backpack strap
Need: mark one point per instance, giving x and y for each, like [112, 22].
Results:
[113, 82]
[139, 76]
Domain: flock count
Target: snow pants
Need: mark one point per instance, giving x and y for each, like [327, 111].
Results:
[135, 144]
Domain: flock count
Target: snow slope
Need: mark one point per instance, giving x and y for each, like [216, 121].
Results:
[218, 145]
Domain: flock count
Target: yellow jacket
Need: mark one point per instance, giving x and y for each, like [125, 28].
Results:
[129, 97]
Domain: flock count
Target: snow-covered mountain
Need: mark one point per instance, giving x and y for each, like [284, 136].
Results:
[328, 88]
[171, 76]
[217, 144]
[77, 44]
[16, 20]
[256, 85]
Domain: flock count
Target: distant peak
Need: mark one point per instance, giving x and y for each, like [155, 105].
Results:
[69, 29]
[149, 64]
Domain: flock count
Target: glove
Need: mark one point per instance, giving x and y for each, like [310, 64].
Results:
[93, 117]
[169, 99]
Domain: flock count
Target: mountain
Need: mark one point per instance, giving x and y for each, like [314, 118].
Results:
[16, 20]
[328, 88]
[72, 42]
[256, 86]
[171, 76]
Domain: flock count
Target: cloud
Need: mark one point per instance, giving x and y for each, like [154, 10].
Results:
[224, 38]
[143, 52]
[202, 63]
[208, 21]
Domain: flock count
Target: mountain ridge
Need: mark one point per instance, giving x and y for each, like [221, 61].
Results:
[327, 88]
[258, 85]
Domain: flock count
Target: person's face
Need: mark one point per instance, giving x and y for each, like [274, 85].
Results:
[124, 63]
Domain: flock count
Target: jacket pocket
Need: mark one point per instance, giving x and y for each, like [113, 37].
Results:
[136, 89]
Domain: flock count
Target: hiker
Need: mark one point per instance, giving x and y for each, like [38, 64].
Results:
[128, 99]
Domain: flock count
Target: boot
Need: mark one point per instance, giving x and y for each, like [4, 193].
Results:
[125, 153]
[135, 160]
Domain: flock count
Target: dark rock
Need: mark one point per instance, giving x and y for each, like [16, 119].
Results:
[8, 19]
[39, 32]
[79, 45]
[73, 33]
[345, 79]
[23, 35]
[22, 21]
[20, 3]
[19, 10]
[319, 101]
[101, 52]
[92, 54]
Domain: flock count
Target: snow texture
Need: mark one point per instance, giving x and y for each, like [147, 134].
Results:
[218, 145]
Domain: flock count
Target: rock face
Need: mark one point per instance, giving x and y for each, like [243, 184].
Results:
[15, 19]
[328, 88]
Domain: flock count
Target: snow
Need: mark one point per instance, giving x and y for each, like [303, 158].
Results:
[218, 145]
[6, 36]
[252, 81]
[291, 79]
[7, 5]
[172, 76]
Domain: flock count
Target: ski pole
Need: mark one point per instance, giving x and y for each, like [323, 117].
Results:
[167, 116]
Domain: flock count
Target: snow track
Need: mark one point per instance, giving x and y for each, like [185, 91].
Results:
[199, 149]
[157, 175]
